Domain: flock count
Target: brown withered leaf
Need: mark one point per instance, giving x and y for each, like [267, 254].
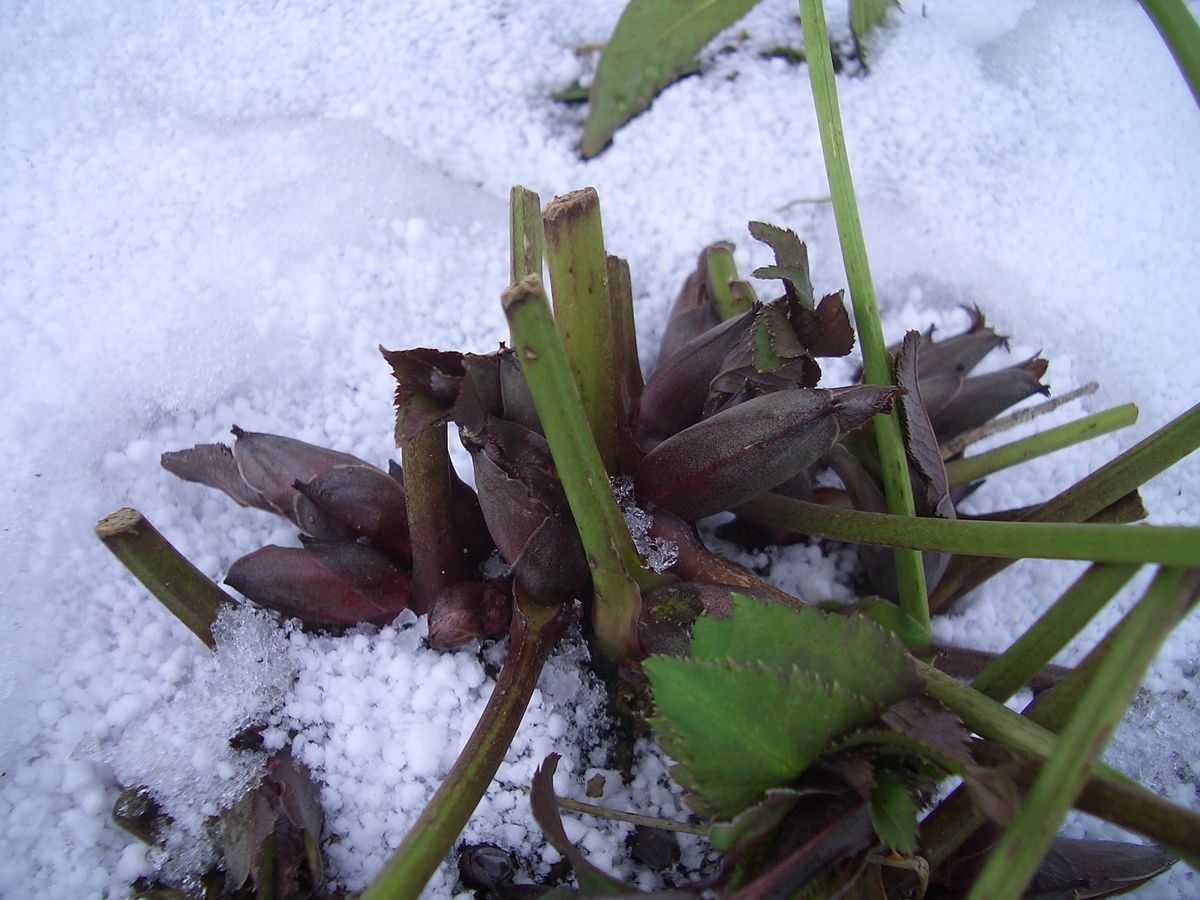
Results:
[544, 804]
[920, 442]
[428, 382]
[960, 353]
[272, 836]
[825, 331]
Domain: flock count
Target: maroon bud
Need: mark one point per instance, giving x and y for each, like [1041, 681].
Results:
[213, 465]
[365, 500]
[673, 398]
[982, 397]
[323, 583]
[526, 510]
[271, 465]
[469, 611]
[694, 310]
[749, 449]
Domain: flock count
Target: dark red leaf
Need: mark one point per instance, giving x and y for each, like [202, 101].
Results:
[324, 583]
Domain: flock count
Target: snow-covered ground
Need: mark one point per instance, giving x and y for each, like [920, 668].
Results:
[213, 213]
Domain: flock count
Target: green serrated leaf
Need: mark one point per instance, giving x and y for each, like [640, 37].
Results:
[850, 651]
[654, 43]
[894, 813]
[737, 729]
[755, 822]
[897, 621]
[791, 262]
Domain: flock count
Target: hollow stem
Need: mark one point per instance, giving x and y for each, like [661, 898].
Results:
[525, 227]
[877, 366]
[178, 585]
[972, 468]
[536, 630]
[579, 281]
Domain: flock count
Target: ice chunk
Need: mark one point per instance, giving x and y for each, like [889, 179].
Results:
[657, 553]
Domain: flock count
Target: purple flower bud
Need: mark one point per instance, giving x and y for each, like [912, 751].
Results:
[694, 310]
[367, 502]
[526, 509]
[749, 449]
[324, 583]
[469, 611]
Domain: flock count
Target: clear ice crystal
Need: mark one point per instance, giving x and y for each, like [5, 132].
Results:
[179, 747]
[658, 554]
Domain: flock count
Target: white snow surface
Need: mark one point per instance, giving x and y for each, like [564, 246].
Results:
[214, 212]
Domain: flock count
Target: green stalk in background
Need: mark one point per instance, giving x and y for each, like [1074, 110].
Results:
[722, 273]
[1181, 33]
[1056, 628]
[1109, 484]
[618, 577]
[971, 468]
[536, 630]
[1015, 859]
[877, 367]
[579, 281]
[1176, 545]
[528, 240]
[178, 585]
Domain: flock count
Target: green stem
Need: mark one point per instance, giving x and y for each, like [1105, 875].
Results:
[618, 577]
[536, 630]
[579, 280]
[877, 367]
[178, 585]
[972, 468]
[1015, 859]
[1053, 708]
[1109, 794]
[1103, 488]
[525, 227]
[1181, 33]
[1053, 631]
[1167, 544]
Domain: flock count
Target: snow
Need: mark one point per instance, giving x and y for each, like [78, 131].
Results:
[214, 213]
